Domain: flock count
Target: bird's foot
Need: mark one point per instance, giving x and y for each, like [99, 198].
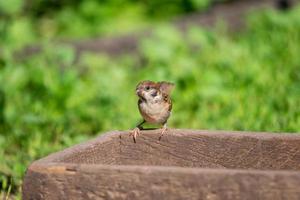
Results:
[134, 133]
[163, 131]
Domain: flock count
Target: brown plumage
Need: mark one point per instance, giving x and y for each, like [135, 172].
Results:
[154, 104]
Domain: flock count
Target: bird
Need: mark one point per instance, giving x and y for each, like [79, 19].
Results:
[154, 104]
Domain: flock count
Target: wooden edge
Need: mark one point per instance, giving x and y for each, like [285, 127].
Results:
[109, 136]
[51, 177]
[69, 168]
[70, 181]
[56, 157]
[228, 133]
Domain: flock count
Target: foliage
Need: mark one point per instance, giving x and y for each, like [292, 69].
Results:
[249, 81]
[25, 21]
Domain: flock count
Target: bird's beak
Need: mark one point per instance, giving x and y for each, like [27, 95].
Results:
[138, 92]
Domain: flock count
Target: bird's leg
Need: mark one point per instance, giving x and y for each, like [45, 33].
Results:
[136, 131]
[163, 131]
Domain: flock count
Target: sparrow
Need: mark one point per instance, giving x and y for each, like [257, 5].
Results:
[154, 104]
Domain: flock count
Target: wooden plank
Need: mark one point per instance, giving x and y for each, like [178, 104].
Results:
[132, 182]
[213, 150]
[185, 164]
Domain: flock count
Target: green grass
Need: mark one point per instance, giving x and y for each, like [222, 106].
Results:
[245, 81]
[44, 20]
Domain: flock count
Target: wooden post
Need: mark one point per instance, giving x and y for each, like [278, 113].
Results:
[185, 164]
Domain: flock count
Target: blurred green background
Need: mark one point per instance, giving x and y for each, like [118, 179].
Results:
[245, 80]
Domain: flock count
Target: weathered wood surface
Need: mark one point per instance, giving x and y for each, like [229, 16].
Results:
[185, 164]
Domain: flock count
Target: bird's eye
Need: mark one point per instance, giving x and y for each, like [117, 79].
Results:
[147, 88]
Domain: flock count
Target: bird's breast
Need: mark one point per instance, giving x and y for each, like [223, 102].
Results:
[154, 112]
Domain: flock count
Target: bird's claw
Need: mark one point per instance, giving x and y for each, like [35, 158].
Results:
[164, 130]
[134, 133]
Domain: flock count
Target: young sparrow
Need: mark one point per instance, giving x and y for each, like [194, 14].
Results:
[154, 104]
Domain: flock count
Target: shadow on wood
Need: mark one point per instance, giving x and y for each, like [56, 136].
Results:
[185, 164]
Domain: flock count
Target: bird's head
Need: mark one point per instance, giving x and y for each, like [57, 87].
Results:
[153, 91]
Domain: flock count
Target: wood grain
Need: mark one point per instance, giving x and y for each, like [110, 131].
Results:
[185, 164]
